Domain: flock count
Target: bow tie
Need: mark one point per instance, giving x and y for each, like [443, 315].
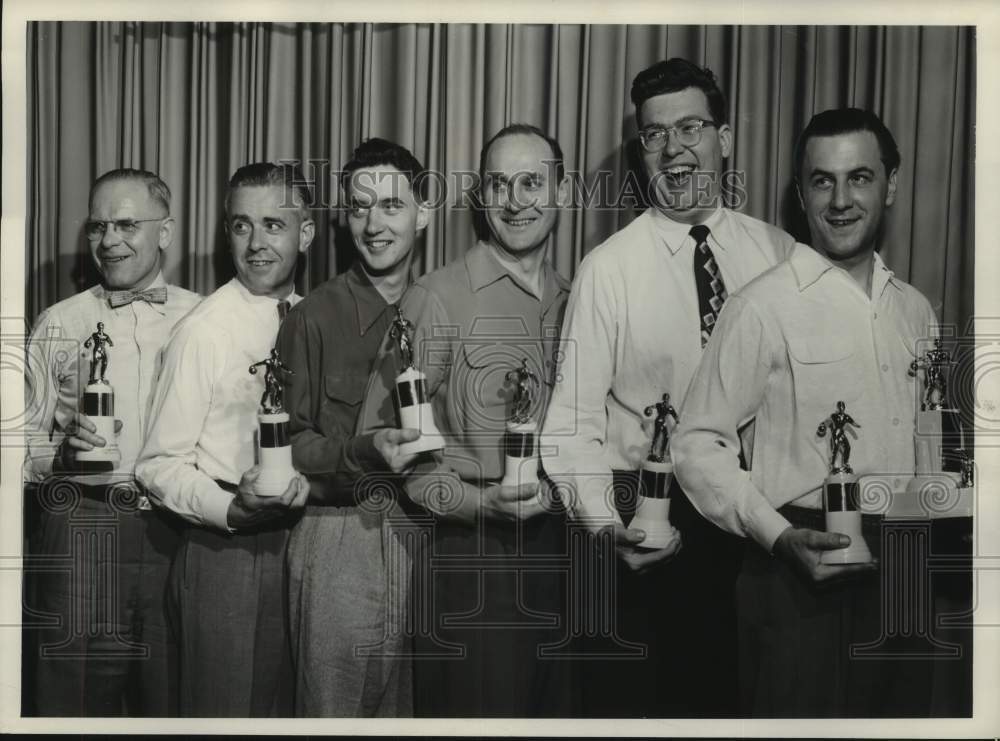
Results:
[150, 296]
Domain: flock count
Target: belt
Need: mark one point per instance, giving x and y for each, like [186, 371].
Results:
[815, 519]
[128, 495]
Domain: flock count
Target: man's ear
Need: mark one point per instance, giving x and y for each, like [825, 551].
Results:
[725, 140]
[165, 235]
[890, 193]
[423, 215]
[307, 230]
[563, 194]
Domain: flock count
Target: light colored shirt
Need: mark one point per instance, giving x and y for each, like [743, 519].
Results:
[204, 410]
[632, 333]
[58, 368]
[786, 349]
[474, 321]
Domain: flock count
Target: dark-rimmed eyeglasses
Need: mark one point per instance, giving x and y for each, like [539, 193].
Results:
[96, 229]
[688, 133]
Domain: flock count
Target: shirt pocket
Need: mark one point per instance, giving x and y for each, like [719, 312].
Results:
[479, 384]
[824, 370]
[342, 397]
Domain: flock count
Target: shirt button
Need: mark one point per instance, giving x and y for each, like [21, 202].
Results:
[885, 367]
[875, 315]
[895, 421]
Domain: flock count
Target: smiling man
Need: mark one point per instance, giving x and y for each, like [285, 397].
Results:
[128, 230]
[228, 579]
[832, 324]
[476, 319]
[643, 305]
[345, 590]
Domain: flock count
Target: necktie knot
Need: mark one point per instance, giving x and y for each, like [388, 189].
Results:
[700, 233]
[150, 296]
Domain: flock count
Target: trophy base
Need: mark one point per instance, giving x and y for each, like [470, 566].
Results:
[276, 471]
[652, 512]
[273, 482]
[415, 413]
[109, 454]
[520, 462]
[423, 444]
[841, 499]
[652, 516]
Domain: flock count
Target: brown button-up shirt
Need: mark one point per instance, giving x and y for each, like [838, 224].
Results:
[474, 321]
[330, 340]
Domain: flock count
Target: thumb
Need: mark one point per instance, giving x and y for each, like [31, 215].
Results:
[251, 474]
[828, 541]
[633, 536]
[118, 426]
[405, 435]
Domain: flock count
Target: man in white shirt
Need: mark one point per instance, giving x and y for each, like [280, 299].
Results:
[198, 460]
[832, 324]
[112, 653]
[635, 327]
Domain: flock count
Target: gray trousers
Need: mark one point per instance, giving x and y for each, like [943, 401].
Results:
[348, 591]
[228, 594]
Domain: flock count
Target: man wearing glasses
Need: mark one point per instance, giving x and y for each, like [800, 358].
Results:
[91, 666]
[683, 255]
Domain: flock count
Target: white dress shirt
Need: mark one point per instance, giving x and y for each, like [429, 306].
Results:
[630, 334]
[204, 410]
[58, 368]
[786, 349]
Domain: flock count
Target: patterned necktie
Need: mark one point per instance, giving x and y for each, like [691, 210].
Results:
[283, 307]
[150, 296]
[711, 289]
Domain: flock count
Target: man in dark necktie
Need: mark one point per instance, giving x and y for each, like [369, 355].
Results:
[111, 653]
[642, 308]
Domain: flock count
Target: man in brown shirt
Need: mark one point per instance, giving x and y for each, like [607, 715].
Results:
[342, 595]
[476, 319]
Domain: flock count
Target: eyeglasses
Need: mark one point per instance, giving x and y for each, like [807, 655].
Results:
[96, 229]
[654, 138]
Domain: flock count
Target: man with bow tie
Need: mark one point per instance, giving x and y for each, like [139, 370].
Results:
[110, 653]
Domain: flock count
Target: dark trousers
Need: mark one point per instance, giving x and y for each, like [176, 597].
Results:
[682, 614]
[228, 600]
[98, 573]
[491, 612]
[832, 650]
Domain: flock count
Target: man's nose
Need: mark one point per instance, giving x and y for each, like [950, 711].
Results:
[841, 196]
[111, 236]
[673, 147]
[374, 222]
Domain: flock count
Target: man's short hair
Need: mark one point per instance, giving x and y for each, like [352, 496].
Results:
[846, 121]
[375, 151]
[265, 174]
[524, 129]
[158, 190]
[674, 75]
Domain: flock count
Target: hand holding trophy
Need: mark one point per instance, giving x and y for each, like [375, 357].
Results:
[520, 459]
[410, 393]
[652, 513]
[274, 445]
[99, 401]
[840, 491]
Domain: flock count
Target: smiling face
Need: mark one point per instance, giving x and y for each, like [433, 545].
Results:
[266, 235]
[129, 260]
[844, 191]
[384, 218]
[521, 193]
[684, 180]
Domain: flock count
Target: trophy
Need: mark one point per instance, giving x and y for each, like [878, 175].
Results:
[652, 512]
[275, 459]
[99, 401]
[520, 459]
[841, 503]
[939, 442]
[410, 393]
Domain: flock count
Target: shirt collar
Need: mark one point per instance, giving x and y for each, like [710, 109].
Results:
[676, 234]
[484, 269]
[808, 265]
[262, 301]
[368, 302]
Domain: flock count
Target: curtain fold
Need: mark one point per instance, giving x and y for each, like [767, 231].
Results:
[194, 101]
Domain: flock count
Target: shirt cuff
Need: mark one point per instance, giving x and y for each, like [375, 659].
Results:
[217, 509]
[362, 455]
[763, 523]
